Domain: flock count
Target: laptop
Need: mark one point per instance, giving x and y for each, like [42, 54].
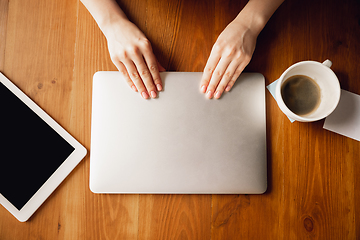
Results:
[180, 142]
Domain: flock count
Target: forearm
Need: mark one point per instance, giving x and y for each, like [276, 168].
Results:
[105, 12]
[257, 13]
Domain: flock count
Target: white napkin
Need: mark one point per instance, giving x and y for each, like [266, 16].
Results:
[345, 119]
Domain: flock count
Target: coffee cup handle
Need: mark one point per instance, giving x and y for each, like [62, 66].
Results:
[327, 63]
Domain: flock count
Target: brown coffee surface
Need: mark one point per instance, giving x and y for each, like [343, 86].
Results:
[301, 94]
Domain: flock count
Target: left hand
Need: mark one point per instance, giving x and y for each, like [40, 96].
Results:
[229, 56]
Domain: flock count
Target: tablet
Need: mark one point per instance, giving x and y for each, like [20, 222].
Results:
[36, 152]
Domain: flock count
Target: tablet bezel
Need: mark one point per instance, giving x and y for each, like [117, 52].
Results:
[59, 175]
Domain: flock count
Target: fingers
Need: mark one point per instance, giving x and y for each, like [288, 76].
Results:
[220, 74]
[215, 82]
[136, 78]
[140, 69]
[122, 69]
[145, 72]
[209, 70]
[153, 66]
[229, 56]
[237, 73]
[142, 76]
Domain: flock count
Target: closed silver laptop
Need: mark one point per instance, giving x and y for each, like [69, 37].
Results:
[180, 142]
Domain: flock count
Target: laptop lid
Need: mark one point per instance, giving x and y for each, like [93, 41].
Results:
[180, 142]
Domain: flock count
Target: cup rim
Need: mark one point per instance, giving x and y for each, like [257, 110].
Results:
[291, 114]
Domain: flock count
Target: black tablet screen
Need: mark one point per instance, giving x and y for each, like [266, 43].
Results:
[30, 150]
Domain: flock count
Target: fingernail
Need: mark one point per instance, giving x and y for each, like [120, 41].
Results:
[159, 87]
[228, 88]
[218, 94]
[203, 88]
[144, 95]
[153, 94]
[134, 88]
[209, 94]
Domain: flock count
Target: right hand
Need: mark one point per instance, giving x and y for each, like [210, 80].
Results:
[231, 53]
[132, 54]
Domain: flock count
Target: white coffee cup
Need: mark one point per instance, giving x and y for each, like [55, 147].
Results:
[325, 79]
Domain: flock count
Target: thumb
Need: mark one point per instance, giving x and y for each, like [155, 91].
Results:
[161, 68]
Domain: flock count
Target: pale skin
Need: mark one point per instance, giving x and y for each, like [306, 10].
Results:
[132, 54]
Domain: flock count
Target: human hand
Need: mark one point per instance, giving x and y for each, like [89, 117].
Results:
[229, 56]
[132, 55]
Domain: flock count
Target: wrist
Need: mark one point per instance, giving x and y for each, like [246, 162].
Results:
[111, 21]
[107, 14]
[111, 25]
[257, 13]
[251, 19]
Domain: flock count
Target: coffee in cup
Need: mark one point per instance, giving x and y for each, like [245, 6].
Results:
[308, 91]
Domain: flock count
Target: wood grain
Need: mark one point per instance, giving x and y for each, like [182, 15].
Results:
[4, 5]
[51, 49]
[174, 217]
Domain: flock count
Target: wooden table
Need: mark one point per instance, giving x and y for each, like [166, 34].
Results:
[51, 49]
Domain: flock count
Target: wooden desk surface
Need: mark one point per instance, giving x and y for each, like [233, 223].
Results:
[51, 49]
